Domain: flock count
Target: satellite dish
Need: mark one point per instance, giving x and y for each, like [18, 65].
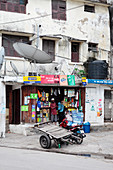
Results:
[2, 54]
[32, 53]
[14, 68]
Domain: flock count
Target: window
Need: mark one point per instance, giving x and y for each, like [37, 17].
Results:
[7, 42]
[75, 52]
[49, 48]
[92, 47]
[89, 8]
[18, 6]
[59, 9]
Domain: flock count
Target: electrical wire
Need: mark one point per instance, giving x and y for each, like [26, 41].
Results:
[11, 22]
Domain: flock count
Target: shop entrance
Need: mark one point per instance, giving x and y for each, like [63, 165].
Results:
[16, 107]
[108, 105]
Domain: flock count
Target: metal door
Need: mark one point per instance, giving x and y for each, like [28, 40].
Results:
[108, 104]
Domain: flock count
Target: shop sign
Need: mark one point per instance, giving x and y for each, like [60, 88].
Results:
[63, 80]
[31, 79]
[97, 81]
[71, 80]
[49, 79]
[84, 81]
[24, 108]
[33, 96]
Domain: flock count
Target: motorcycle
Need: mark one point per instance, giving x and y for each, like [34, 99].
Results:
[78, 132]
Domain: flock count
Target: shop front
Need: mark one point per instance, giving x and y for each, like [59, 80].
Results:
[36, 100]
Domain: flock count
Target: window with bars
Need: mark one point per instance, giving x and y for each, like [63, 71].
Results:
[18, 6]
[9, 40]
[59, 9]
[74, 52]
[49, 48]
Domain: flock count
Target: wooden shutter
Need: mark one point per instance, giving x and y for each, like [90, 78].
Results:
[10, 7]
[16, 8]
[75, 52]
[3, 6]
[22, 9]
[62, 10]
[54, 9]
[49, 47]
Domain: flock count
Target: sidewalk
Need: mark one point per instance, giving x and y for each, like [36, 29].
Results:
[95, 143]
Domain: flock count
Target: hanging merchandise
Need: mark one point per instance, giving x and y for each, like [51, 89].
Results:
[51, 91]
[77, 94]
[39, 94]
[58, 91]
[65, 92]
[79, 99]
[55, 92]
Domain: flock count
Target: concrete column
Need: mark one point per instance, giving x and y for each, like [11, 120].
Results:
[2, 108]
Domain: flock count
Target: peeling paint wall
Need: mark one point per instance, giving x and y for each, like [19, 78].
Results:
[83, 26]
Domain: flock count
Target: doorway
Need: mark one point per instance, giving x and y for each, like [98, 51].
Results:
[16, 107]
[108, 104]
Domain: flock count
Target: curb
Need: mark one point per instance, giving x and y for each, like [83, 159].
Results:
[86, 154]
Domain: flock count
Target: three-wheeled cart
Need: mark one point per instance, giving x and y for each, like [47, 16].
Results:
[58, 134]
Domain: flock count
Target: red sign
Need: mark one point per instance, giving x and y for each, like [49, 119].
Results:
[49, 79]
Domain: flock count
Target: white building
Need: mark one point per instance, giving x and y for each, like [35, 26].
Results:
[73, 30]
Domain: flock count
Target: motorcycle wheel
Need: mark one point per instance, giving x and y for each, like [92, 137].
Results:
[80, 140]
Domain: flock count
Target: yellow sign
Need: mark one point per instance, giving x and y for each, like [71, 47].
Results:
[31, 79]
[83, 79]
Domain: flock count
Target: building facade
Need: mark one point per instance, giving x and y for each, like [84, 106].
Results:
[69, 31]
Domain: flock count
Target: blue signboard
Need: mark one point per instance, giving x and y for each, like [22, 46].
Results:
[97, 81]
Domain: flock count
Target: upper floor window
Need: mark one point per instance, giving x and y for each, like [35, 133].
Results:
[59, 9]
[75, 52]
[93, 47]
[89, 8]
[9, 40]
[18, 6]
[49, 48]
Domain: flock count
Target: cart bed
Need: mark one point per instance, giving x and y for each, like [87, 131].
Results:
[54, 130]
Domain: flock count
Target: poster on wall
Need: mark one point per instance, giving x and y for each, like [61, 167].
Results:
[33, 112]
[63, 80]
[99, 111]
[71, 80]
[24, 108]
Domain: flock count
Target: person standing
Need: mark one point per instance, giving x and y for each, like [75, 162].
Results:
[61, 111]
[53, 107]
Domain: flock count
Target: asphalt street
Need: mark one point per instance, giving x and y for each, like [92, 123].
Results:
[20, 159]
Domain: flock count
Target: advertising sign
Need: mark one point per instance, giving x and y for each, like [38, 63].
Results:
[24, 108]
[33, 112]
[63, 80]
[31, 79]
[49, 79]
[71, 80]
[84, 81]
[33, 96]
[97, 81]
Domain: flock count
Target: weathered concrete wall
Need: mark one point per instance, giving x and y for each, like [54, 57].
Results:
[94, 104]
[2, 108]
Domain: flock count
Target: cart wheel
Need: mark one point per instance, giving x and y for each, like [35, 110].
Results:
[45, 141]
[80, 140]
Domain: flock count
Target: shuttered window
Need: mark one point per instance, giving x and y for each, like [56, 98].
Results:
[18, 6]
[7, 42]
[49, 48]
[59, 9]
[75, 52]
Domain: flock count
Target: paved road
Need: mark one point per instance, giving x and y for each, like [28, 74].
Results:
[20, 159]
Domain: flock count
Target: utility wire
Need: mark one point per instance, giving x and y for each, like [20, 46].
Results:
[11, 22]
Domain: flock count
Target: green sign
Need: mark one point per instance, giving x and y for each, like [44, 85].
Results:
[24, 108]
[71, 80]
[33, 96]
